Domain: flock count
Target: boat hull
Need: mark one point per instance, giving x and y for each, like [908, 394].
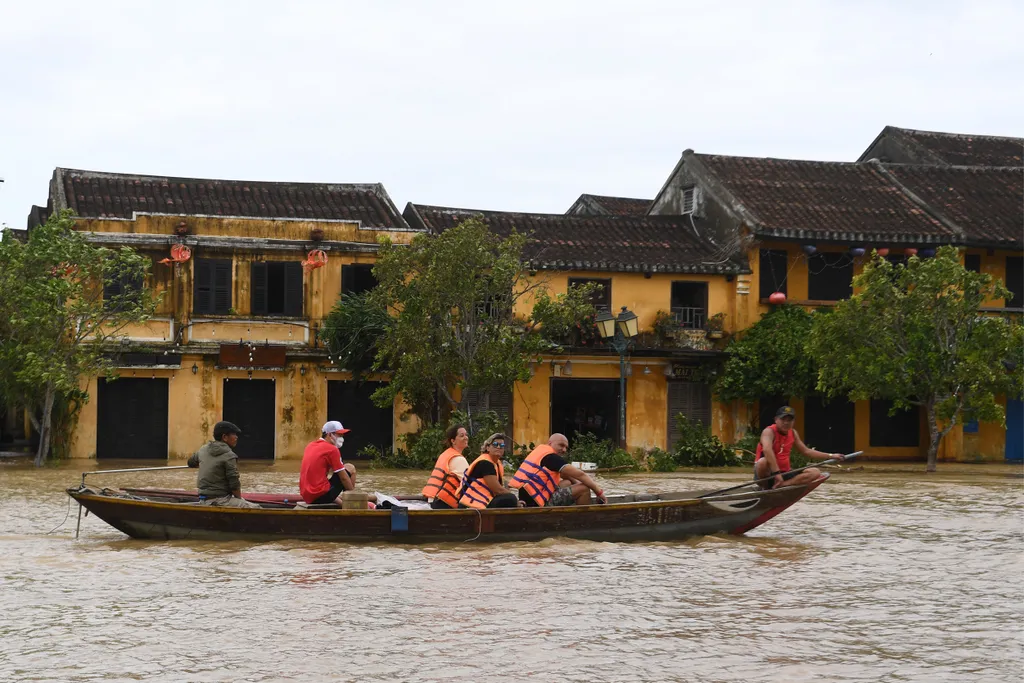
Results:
[673, 517]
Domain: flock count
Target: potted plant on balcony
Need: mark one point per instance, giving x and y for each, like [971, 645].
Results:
[716, 326]
[665, 327]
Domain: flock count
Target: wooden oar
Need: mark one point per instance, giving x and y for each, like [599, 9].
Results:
[848, 456]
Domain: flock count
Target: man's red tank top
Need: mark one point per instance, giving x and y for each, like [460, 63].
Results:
[782, 446]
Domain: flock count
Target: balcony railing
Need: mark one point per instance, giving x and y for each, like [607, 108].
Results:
[690, 317]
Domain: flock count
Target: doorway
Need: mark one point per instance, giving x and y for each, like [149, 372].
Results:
[350, 403]
[131, 420]
[587, 406]
[249, 403]
[829, 426]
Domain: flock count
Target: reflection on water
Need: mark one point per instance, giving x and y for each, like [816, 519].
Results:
[877, 576]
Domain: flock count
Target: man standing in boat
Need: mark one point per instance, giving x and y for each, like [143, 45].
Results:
[217, 480]
[771, 463]
[545, 479]
[323, 477]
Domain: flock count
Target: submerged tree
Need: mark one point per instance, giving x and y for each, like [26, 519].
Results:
[63, 299]
[914, 334]
[455, 299]
[770, 358]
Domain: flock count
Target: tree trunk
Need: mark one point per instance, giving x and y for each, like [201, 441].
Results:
[934, 437]
[44, 426]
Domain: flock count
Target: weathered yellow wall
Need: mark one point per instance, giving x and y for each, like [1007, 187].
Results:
[195, 405]
[643, 296]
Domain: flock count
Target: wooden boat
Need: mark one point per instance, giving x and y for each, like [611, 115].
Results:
[170, 514]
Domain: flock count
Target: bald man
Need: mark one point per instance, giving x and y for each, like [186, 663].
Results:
[545, 479]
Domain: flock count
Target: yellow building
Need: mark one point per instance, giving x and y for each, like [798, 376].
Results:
[646, 264]
[235, 335]
[807, 227]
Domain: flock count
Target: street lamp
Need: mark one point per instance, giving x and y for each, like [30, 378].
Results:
[619, 331]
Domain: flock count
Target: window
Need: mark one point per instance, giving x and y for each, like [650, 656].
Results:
[277, 288]
[602, 298]
[774, 264]
[690, 304]
[357, 278]
[121, 291]
[1015, 281]
[689, 200]
[829, 277]
[972, 262]
[211, 293]
[901, 429]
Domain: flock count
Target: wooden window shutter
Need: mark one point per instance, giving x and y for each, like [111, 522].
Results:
[202, 291]
[348, 279]
[222, 286]
[258, 286]
[293, 289]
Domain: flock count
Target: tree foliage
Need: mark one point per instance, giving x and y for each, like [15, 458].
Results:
[54, 320]
[353, 329]
[770, 358]
[454, 298]
[913, 334]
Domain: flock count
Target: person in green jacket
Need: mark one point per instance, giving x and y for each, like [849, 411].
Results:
[217, 480]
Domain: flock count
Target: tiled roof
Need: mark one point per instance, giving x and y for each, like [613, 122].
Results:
[839, 201]
[605, 243]
[116, 195]
[987, 204]
[955, 149]
[598, 205]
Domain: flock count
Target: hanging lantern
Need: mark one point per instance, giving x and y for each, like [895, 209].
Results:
[777, 298]
[809, 249]
[179, 254]
[910, 251]
[857, 251]
[317, 258]
[883, 251]
[926, 253]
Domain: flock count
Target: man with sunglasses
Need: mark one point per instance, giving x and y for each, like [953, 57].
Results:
[483, 483]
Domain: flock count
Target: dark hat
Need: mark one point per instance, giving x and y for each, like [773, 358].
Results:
[785, 411]
[222, 428]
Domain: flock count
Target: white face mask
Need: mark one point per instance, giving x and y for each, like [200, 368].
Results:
[338, 440]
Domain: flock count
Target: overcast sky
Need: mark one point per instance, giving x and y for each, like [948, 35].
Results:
[514, 106]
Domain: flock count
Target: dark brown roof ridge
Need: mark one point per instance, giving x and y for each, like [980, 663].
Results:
[939, 133]
[367, 187]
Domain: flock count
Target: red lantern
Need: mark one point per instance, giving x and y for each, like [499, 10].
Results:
[777, 298]
[317, 258]
[910, 251]
[884, 251]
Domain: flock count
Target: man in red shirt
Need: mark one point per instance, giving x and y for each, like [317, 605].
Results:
[771, 462]
[323, 477]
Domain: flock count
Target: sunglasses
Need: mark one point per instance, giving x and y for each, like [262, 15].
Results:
[497, 444]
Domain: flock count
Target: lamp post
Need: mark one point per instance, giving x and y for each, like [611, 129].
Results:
[619, 331]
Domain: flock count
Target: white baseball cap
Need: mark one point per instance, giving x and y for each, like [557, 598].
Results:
[334, 427]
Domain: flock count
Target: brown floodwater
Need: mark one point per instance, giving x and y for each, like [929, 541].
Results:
[882, 574]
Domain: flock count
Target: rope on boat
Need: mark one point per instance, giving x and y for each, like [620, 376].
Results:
[479, 526]
[66, 515]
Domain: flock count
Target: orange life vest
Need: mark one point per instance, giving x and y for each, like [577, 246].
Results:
[540, 482]
[475, 493]
[443, 485]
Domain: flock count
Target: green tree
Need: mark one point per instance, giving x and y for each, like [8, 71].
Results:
[56, 321]
[770, 358]
[353, 330]
[453, 297]
[913, 334]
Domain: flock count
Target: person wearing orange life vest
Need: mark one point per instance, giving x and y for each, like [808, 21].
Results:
[771, 461]
[445, 481]
[545, 479]
[483, 483]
